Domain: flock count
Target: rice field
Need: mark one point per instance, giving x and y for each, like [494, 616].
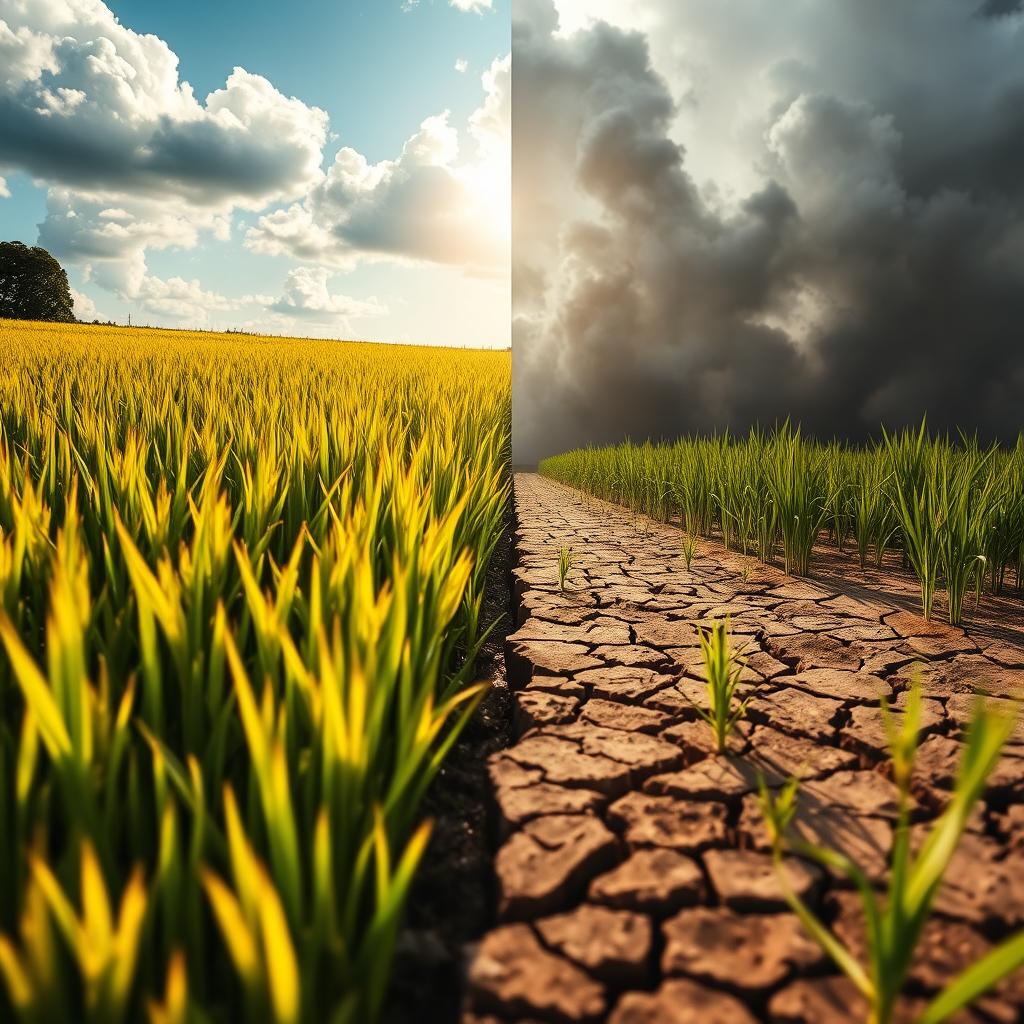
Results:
[240, 596]
[953, 509]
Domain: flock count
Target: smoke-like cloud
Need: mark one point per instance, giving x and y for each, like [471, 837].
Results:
[749, 211]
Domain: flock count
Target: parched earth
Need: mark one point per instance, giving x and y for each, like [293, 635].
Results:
[634, 882]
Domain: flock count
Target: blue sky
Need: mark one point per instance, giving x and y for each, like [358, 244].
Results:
[351, 181]
[375, 68]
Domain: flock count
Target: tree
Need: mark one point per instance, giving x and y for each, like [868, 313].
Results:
[33, 285]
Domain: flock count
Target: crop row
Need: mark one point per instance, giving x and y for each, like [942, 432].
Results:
[240, 594]
[954, 510]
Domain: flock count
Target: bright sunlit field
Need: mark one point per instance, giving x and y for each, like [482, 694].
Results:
[240, 592]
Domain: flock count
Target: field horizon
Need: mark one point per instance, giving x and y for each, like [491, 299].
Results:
[238, 333]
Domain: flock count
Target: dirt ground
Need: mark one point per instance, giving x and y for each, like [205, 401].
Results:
[632, 874]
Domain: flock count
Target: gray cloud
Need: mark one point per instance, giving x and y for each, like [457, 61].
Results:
[88, 103]
[755, 212]
[999, 8]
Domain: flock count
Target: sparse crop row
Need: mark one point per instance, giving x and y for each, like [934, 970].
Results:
[240, 593]
[954, 509]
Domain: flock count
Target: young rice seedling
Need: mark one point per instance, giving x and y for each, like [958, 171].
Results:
[689, 548]
[722, 669]
[894, 921]
[565, 561]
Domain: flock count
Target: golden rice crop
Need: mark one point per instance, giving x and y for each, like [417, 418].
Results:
[240, 592]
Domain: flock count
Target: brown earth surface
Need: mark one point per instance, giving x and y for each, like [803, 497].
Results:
[633, 879]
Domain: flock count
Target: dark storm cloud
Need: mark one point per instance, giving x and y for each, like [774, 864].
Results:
[999, 8]
[871, 268]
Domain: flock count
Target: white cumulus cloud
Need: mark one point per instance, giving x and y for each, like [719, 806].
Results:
[108, 236]
[84, 307]
[306, 296]
[90, 104]
[433, 202]
[134, 162]
[178, 299]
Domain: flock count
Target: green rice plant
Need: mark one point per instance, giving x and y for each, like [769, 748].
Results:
[867, 504]
[759, 520]
[873, 521]
[103, 947]
[689, 548]
[565, 562]
[722, 669]
[963, 492]
[742, 493]
[1004, 529]
[885, 531]
[841, 494]
[894, 921]
[777, 487]
[914, 495]
[729, 488]
[763, 510]
[690, 479]
[767, 531]
[797, 478]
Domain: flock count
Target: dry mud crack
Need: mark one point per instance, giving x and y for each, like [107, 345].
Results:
[633, 879]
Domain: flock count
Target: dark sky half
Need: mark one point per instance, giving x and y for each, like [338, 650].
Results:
[757, 210]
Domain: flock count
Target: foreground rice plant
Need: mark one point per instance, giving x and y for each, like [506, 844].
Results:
[894, 923]
[722, 669]
[955, 511]
[240, 592]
